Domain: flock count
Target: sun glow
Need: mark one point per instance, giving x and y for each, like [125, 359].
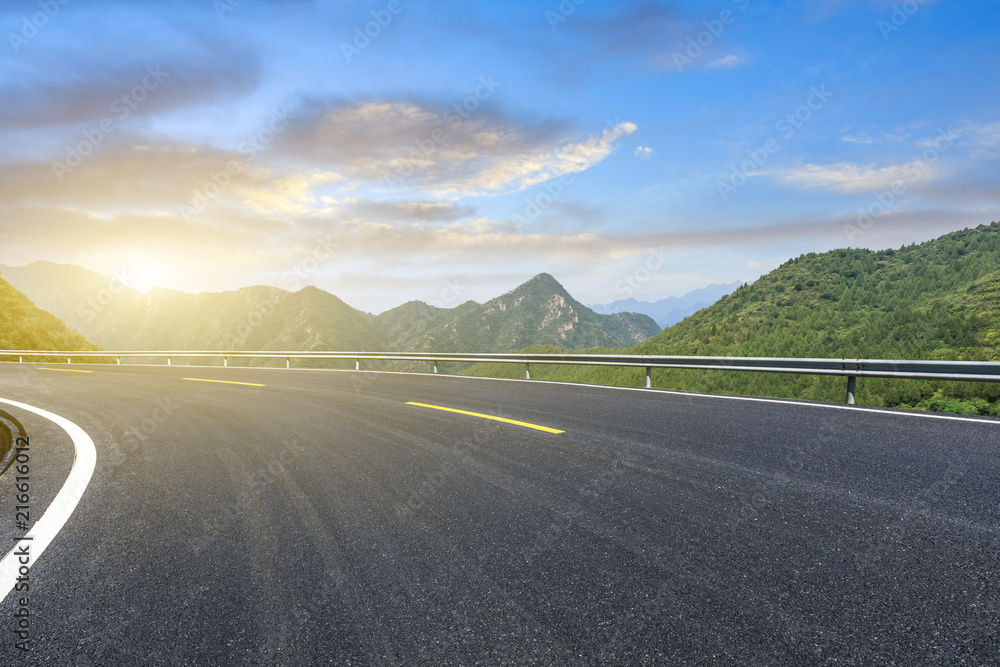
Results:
[143, 277]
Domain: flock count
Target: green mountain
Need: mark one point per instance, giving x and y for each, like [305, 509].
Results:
[268, 318]
[539, 312]
[936, 300]
[102, 308]
[403, 327]
[251, 318]
[24, 326]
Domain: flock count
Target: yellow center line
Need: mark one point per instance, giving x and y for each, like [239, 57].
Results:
[496, 419]
[248, 384]
[65, 370]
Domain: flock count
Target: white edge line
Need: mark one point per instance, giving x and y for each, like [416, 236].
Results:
[59, 510]
[726, 397]
[779, 401]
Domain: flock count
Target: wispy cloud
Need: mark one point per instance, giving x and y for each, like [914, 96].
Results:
[84, 93]
[124, 176]
[731, 60]
[437, 150]
[395, 211]
[850, 177]
[377, 159]
[858, 139]
[981, 137]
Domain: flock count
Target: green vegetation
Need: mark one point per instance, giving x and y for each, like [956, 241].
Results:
[23, 326]
[267, 318]
[936, 300]
[539, 312]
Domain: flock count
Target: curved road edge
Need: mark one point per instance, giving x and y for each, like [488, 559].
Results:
[62, 506]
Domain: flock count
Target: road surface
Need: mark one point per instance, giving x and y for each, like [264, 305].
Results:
[314, 517]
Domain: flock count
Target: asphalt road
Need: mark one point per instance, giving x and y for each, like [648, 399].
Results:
[320, 518]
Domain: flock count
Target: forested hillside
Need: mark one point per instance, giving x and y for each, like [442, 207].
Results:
[116, 316]
[23, 326]
[935, 300]
[537, 312]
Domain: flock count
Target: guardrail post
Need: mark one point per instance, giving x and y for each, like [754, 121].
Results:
[852, 388]
[288, 363]
[69, 360]
[649, 377]
[225, 361]
[357, 364]
[168, 361]
[118, 360]
[20, 360]
[527, 371]
[435, 366]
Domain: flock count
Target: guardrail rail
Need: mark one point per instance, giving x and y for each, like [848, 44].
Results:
[852, 369]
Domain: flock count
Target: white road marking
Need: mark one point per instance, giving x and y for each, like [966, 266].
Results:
[58, 512]
[890, 412]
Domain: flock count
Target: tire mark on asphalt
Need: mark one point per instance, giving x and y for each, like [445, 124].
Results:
[367, 621]
[262, 551]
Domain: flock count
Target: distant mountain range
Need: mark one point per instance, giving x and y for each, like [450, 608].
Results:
[673, 309]
[115, 316]
[535, 313]
[23, 326]
[936, 300]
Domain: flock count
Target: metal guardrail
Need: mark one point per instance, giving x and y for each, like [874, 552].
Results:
[852, 369]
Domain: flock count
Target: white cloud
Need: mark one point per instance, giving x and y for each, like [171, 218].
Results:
[858, 139]
[885, 138]
[730, 60]
[516, 172]
[850, 177]
[982, 136]
[643, 152]
[441, 153]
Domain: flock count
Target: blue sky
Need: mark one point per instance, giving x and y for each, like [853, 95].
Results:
[445, 151]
